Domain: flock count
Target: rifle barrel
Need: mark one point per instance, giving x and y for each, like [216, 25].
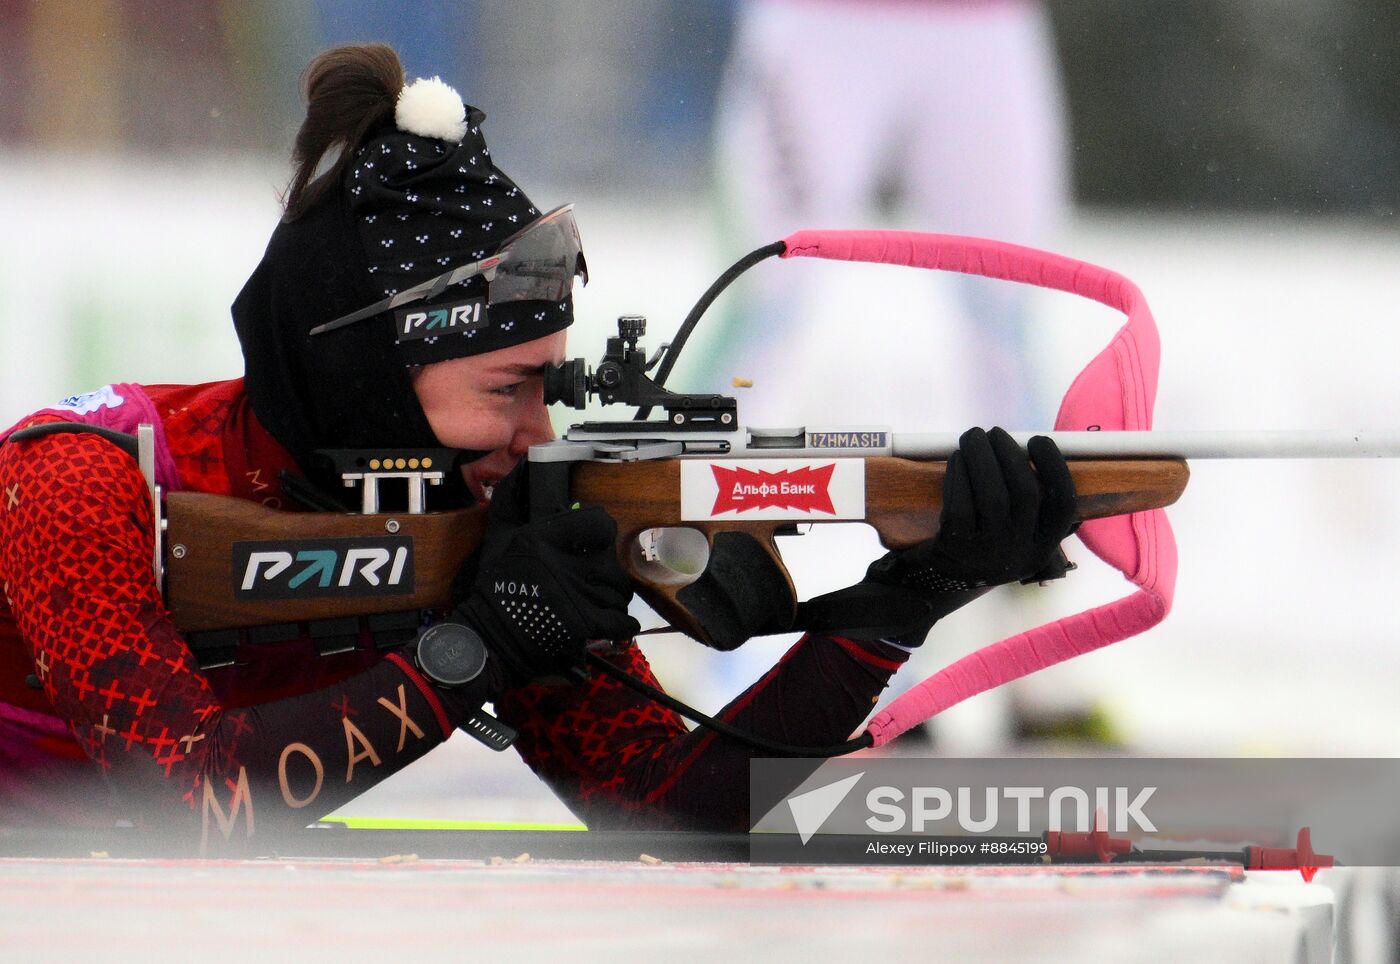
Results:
[1271, 444]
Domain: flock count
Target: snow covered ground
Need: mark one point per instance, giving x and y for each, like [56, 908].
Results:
[533, 910]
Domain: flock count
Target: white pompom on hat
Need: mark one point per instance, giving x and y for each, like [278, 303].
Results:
[430, 108]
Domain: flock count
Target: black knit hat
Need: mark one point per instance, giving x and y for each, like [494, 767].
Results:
[408, 205]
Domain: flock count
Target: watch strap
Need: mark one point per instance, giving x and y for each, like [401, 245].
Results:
[485, 728]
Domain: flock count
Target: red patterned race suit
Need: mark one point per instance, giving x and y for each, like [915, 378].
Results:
[127, 726]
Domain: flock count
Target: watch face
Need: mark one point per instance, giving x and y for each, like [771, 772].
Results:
[451, 654]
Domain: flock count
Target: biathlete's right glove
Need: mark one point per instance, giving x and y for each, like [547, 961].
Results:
[1001, 522]
[539, 590]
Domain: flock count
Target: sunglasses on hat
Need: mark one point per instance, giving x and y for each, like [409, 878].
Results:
[537, 263]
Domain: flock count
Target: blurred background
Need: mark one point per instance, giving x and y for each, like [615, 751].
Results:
[1238, 159]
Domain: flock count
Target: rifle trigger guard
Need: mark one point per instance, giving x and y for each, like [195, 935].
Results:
[743, 592]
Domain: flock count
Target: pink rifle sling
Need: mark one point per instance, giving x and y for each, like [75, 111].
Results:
[1115, 392]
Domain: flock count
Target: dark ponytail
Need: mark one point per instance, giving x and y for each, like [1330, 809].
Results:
[349, 91]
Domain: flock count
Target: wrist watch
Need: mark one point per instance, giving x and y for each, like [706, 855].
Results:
[451, 655]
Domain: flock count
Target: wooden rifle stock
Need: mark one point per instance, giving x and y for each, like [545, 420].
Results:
[202, 581]
[903, 498]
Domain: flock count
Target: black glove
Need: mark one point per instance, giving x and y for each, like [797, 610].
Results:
[539, 590]
[1001, 522]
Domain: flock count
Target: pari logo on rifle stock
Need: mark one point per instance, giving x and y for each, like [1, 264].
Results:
[787, 489]
[418, 324]
[302, 568]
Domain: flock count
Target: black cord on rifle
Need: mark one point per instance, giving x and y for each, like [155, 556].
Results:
[692, 319]
[719, 726]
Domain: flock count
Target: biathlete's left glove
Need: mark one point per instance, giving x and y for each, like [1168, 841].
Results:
[1001, 522]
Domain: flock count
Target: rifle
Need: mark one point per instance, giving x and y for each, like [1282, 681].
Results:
[693, 555]
[700, 502]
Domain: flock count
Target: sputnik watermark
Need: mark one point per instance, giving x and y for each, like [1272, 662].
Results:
[811, 809]
[893, 810]
[907, 810]
[932, 811]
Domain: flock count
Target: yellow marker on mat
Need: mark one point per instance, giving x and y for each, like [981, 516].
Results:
[401, 823]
